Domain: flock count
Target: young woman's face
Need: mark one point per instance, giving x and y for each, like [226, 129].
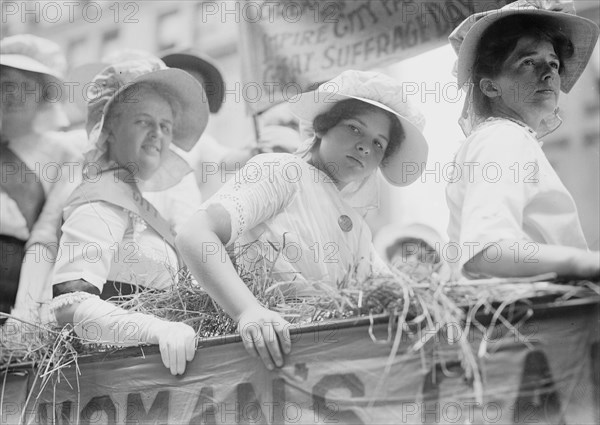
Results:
[354, 148]
[140, 133]
[529, 82]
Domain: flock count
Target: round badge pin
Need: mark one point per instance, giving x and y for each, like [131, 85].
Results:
[345, 223]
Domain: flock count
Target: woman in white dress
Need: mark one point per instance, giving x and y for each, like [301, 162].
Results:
[303, 212]
[113, 241]
[509, 212]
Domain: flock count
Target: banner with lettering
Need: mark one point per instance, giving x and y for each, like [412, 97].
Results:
[546, 373]
[289, 46]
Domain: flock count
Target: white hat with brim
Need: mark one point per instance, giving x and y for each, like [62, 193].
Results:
[392, 234]
[28, 64]
[189, 125]
[582, 32]
[407, 163]
[34, 54]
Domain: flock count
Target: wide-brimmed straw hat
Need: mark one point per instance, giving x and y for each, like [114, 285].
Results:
[406, 163]
[34, 54]
[582, 32]
[214, 85]
[190, 122]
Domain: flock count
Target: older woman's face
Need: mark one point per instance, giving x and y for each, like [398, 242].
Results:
[529, 82]
[140, 133]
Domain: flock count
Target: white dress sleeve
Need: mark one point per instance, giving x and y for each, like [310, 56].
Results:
[495, 195]
[89, 239]
[260, 190]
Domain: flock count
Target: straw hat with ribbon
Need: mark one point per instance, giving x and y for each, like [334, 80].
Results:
[190, 121]
[582, 33]
[81, 76]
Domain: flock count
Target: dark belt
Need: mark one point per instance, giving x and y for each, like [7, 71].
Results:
[115, 291]
[12, 252]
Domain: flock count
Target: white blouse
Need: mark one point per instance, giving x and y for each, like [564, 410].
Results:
[102, 242]
[287, 211]
[504, 188]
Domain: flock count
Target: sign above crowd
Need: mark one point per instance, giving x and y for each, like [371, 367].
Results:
[287, 47]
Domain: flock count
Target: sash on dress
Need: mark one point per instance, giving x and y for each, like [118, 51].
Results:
[112, 187]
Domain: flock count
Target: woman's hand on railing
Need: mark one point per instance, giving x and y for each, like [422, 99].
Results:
[265, 334]
[177, 342]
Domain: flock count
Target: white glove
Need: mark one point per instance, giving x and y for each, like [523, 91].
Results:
[99, 321]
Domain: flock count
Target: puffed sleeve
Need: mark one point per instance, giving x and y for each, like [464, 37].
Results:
[88, 243]
[261, 189]
[495, 195]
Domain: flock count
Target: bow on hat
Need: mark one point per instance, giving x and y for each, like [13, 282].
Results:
[113, 79]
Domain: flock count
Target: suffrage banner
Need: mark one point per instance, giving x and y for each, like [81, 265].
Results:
[289, 46]
[341, 372]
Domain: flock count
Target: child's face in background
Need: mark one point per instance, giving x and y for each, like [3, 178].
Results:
[354, 148]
